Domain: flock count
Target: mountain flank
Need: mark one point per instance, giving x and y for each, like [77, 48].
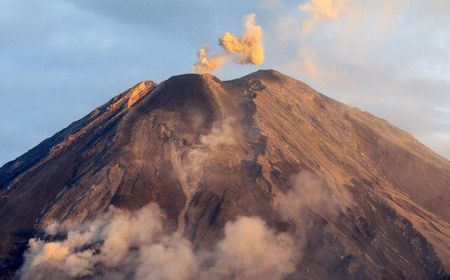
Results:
[358, 197]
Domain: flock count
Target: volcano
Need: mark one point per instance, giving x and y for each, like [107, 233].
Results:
[357, 197]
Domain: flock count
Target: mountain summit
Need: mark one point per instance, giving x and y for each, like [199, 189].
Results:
[329, 191]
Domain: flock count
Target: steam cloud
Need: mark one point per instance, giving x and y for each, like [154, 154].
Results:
[245, 49]
[123, 245]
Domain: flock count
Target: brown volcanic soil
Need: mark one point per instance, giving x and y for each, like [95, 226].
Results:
[207, 151]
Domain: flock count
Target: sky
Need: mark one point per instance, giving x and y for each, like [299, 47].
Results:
[59, 59]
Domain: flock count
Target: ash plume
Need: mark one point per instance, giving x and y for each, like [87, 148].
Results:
[244, 49]
[248, 47]
[206, 62]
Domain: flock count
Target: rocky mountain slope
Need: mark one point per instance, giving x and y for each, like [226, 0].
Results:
[360, 198]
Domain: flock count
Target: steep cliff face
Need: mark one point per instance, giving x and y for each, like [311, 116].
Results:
[361, 198]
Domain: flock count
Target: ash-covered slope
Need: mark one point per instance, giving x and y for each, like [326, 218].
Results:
[359, 197]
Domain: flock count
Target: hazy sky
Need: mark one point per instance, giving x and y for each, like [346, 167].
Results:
[59, 59]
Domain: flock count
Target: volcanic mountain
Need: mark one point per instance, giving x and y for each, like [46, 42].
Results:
[354, 196]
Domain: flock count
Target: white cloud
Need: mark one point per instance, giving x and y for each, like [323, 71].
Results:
[372, 58]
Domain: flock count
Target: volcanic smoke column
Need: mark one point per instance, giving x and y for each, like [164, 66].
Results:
[244, 49]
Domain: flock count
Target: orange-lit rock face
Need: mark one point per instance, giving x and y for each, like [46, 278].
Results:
[138, 91]
[348, 191]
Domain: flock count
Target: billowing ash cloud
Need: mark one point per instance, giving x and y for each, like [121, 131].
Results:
[244, 49]
[248, 47]
[123, 245]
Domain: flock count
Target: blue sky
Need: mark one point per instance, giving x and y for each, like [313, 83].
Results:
[59, 59]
